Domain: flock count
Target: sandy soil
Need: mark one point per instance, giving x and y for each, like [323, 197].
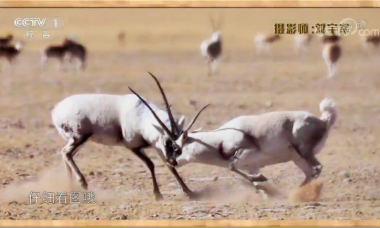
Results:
[166, 42]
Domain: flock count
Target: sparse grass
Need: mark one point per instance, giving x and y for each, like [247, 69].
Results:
[166, 42]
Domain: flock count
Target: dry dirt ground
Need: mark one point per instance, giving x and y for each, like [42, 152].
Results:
[166, 42]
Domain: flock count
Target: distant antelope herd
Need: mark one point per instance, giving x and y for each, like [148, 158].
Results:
[72, 52]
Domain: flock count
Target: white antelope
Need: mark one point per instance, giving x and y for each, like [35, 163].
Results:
[253, 142]
[211, 49]
[302, 42]
[117, 120]
[331, 53]
[264, 42]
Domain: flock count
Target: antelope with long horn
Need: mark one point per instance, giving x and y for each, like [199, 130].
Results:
[211, 49]
[129, 121]
[249, 143]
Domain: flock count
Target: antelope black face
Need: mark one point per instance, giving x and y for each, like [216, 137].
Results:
[172, 151]
[172, 140]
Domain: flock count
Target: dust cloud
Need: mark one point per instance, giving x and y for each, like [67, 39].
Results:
[52, 179]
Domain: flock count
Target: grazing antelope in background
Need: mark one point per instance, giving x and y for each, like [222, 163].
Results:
[121, 38]
[212, 48]
[10, 52]
[264, 42]
[76, 51]
[119, 120]
[372, 39]
[302, 42]
[253, 142]
[330, 39]
[331, 53]
[54, 51]
[4, 41]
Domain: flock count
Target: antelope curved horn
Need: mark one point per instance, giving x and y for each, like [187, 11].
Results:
[173, 124]
[154, 114]
[195, 118]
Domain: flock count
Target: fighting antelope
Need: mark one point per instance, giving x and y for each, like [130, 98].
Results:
[77, 52]
[54, 51]
[118, 120]
[263, 42]
[10, 52]
[211, 49]
[4, 41]
[252, 142]
[331, 53]
[302, 42]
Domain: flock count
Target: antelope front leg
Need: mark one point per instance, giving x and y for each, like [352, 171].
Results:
[184, 187]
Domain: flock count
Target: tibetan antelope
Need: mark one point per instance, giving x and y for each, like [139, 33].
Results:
[331, 53]
[264, 42]
[10, 52]
[249, 143]
[76, 51]
[119, 120]
[121, 38]
[330, 39]
[211, 49]
[58, 52]
[372, 39]
[4, 41]
[302, 42]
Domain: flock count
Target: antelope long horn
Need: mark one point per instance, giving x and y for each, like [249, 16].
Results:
[195, 118]
[212, 22]
[173, 124]
[154, 114]
[220, 22]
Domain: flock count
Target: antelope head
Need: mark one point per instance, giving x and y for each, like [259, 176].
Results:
[171, 141]
[216, 26]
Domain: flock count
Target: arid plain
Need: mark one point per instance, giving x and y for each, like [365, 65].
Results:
[166, 42]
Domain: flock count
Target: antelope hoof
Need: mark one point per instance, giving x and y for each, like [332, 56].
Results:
[317, 171]
[84, 184]
[259, 178]
[192, 195]
[159, 197]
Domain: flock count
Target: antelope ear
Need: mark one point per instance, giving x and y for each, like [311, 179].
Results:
[195, 131]
[181, 122]
[159, 129]
[182, 139]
